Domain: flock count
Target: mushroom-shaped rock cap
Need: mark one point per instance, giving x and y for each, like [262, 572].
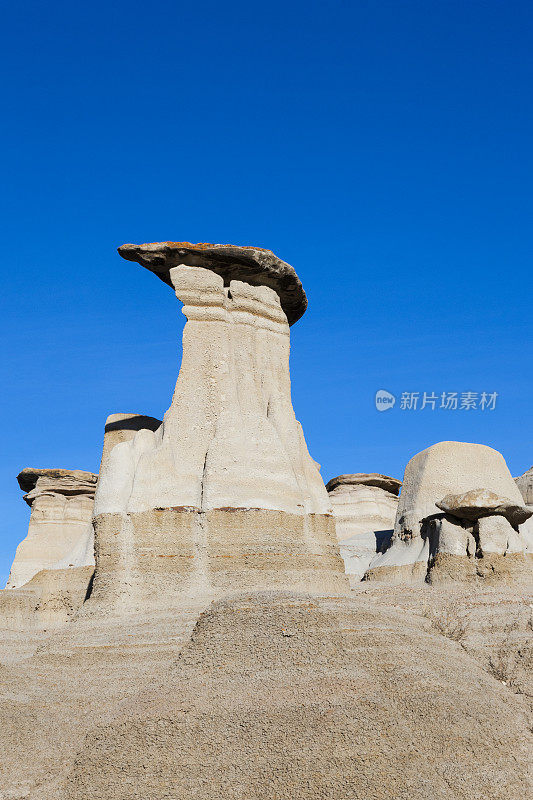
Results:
[385, 482]
[478, 503]
[28, 477]
[253, 265]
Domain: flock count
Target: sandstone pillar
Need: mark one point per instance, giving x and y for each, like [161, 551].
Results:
[60, 528]
[224, 496]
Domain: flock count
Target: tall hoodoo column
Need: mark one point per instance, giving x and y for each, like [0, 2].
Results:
[224, 495]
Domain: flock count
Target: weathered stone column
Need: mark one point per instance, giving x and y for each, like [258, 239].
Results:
[224, 496]
[61, 502]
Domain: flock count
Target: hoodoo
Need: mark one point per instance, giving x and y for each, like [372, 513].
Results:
[224, 494]
[60, 532]
[460, 518]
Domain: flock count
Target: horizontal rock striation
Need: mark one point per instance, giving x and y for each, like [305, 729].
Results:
[49, 600]
[285, 695]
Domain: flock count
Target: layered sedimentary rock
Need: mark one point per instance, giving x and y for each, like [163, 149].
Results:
[376, 479]
[224, 494]
[292, 696]
[264, 694]
[50, 599]
[42, 591]
[252, 265]
[60, 532]
[472, 485]
[364, 505]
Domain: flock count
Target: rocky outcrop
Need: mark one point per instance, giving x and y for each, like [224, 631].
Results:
[477, 503]
[43, 592]
[122, 428]
[364, 505]
[460, 544]
[158, 688]
[385, 482]
[60, 532]
[224, 494]
[50, 599]
[525, 484]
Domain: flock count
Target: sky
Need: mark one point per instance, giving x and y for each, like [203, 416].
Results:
[382, 148]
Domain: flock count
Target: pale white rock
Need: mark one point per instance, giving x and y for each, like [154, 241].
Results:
[230, 437]
[449, 468]
[122, 427]
[448, 536]
[223, 495]
[496, 535]
[526, 533]
[421, 530]
[403, 561]
[81, 555]
[525, 484]
[60, 529]
[50, 599]
[364, 517]
[360, 550]
[360, 508]
[61, 534]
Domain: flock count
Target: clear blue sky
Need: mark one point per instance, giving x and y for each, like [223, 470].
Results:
[383, 148]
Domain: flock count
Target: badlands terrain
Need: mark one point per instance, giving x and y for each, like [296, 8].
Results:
[205, 618]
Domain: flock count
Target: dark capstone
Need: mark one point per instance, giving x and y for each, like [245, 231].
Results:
[253, 265]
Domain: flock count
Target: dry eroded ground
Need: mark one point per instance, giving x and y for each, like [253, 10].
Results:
[63, 695]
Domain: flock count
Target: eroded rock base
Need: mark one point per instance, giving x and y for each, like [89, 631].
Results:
[171, 557]
[293, 696]
[50, 599]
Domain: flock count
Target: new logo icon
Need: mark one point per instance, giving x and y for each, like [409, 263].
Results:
[384, 400]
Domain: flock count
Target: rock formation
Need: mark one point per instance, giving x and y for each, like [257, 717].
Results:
[53, 568]
[60, 532]
[122, 428]
[292, 696]
[218, 652]
[478, 503]
[456, 545]
[252, 265]
[364, 505]
[525, 484]
[49, 600]
[223, 495]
